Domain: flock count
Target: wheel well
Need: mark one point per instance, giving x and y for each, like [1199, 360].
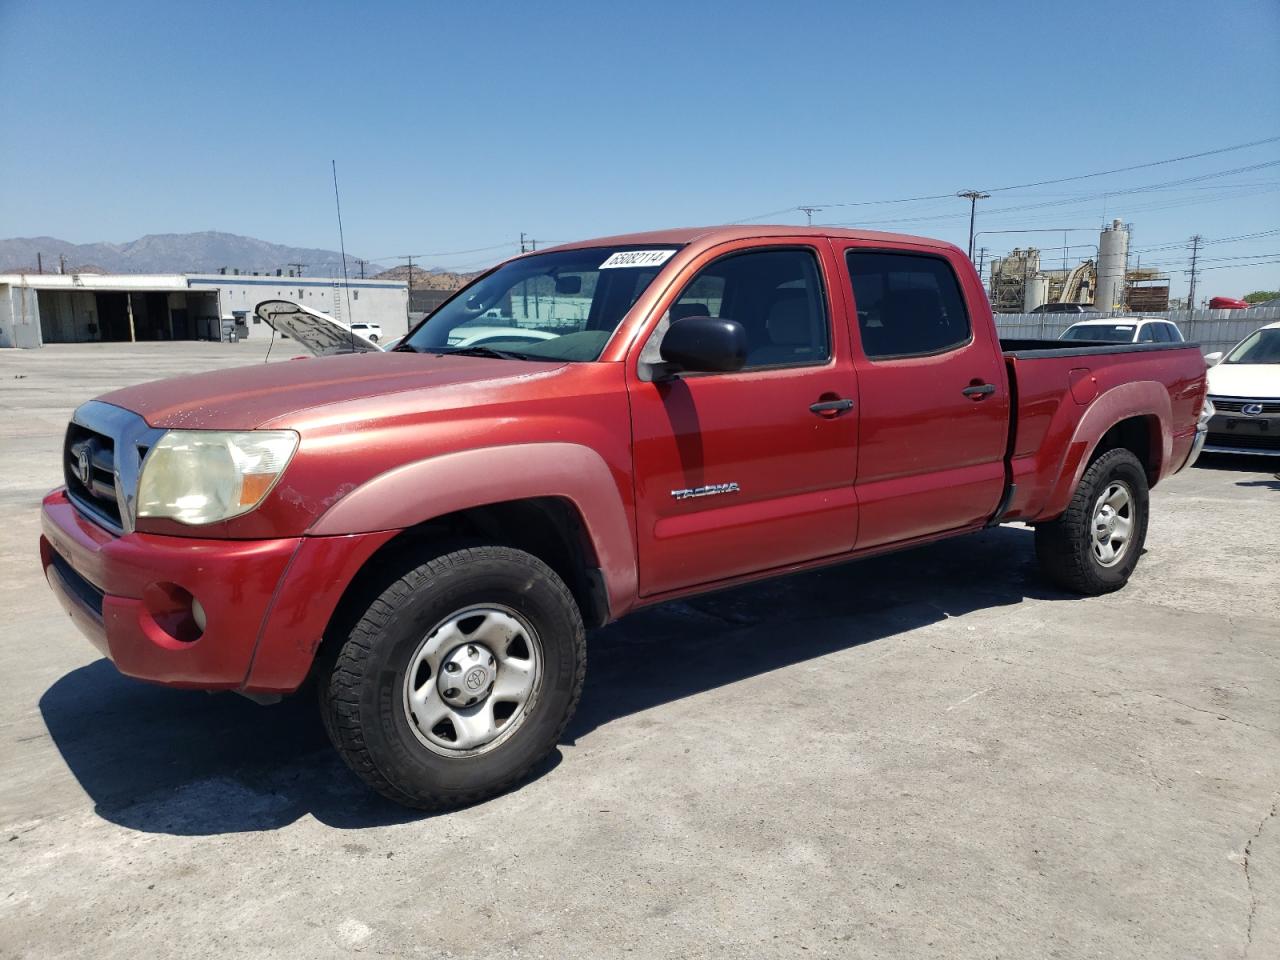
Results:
[550, 528]
[1141, 437]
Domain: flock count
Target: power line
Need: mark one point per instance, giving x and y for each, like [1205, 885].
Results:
[1045, 183]
[1162, 204]
[446, 253]
[1238, 266]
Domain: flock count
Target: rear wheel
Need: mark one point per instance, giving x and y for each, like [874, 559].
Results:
[1096, 543]
[458, 678]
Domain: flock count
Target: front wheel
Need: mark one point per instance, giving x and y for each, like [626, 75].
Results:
[458, 678]
[1096, 543]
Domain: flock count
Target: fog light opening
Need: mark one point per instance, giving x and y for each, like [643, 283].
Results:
[177, 613]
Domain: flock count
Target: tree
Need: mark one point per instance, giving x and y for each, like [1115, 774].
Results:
[1261, 296]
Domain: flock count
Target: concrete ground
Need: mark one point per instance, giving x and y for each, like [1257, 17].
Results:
[926, 755]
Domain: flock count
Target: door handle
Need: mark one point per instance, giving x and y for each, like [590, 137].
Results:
[977, 391]
[830, 407]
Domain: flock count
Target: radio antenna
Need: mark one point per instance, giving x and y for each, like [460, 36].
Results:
[342, 246]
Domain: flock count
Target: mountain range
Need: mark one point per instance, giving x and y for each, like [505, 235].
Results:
[204, 252]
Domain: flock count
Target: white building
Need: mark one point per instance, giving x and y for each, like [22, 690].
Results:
[39, 308]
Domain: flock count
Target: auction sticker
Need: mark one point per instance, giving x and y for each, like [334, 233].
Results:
[637, 258]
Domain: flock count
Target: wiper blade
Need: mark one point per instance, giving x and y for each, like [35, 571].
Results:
[479, 351]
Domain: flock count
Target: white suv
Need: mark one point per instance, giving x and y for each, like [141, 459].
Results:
[1124, 330]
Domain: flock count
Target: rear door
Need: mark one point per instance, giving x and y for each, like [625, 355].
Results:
[932, 393]
[735, 473]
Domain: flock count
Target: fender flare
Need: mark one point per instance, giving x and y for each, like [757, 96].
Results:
[1141, 398]
[419, 491]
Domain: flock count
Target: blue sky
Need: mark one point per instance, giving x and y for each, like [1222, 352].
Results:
[456, 126]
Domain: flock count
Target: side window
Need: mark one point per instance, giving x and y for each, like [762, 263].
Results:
[776, 295]
[1148, 334]
[1172, 333]
[908, 305]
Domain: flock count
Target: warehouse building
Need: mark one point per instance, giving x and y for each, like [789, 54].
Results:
[39, 308]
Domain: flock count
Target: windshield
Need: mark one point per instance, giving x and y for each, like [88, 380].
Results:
[1261, 346]
[549, 306]
[1107, 332]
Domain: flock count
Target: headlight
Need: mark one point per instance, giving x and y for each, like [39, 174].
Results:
[203, 476]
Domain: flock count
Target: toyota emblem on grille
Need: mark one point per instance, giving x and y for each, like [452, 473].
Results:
[84, 466]
[1251, 409]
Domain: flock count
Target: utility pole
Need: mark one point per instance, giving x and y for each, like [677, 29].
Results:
[973, 196]
[39, 262]
[1195, 253]
[297, 267]
[982, 258]
[809, 212]
[362, 263]
[62, 264]
[522, 249]
[408, 306]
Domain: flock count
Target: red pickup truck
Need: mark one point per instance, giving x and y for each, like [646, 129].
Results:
[582, 431]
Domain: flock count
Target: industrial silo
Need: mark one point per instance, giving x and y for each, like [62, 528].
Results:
[1035, 292]
[1113, 259]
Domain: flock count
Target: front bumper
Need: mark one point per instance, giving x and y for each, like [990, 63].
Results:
[265, 603]
[1236, 432]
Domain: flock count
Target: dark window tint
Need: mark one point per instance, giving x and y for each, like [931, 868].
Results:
[907, 305]
[777, 297]
[1148, 333]
[1173, 334]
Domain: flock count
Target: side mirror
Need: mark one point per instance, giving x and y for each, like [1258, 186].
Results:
[569, 285]
[1213, 359]
[704, 345]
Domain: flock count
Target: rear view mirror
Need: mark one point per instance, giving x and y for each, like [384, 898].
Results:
[704, 345]
[569, 285]
[1213, 359]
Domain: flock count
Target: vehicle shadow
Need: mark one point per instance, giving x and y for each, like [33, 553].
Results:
[1239, 463]
[187, 763]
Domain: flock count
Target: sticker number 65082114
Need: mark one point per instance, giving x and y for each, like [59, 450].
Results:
[637, 258]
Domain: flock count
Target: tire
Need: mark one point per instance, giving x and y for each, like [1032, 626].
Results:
[386, 684]
[1073, 552]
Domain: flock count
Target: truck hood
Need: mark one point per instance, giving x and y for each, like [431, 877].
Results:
[1246, 380]
[244, 398]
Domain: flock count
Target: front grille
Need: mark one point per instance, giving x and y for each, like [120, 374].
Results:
[1235, 406]
[90, 470]
[101, 460]
[1244, 441]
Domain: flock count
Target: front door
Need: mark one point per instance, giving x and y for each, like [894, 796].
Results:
[735, 472]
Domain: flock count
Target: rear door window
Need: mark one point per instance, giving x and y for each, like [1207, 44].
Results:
[908, 305]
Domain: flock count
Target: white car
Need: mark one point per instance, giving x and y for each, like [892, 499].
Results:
[370, 331]
[1124, 330]
[1244, 388]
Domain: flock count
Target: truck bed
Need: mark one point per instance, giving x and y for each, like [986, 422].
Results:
[1053, 384]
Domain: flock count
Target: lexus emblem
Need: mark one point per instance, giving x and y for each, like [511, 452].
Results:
[1251, 409]
[84, 466]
